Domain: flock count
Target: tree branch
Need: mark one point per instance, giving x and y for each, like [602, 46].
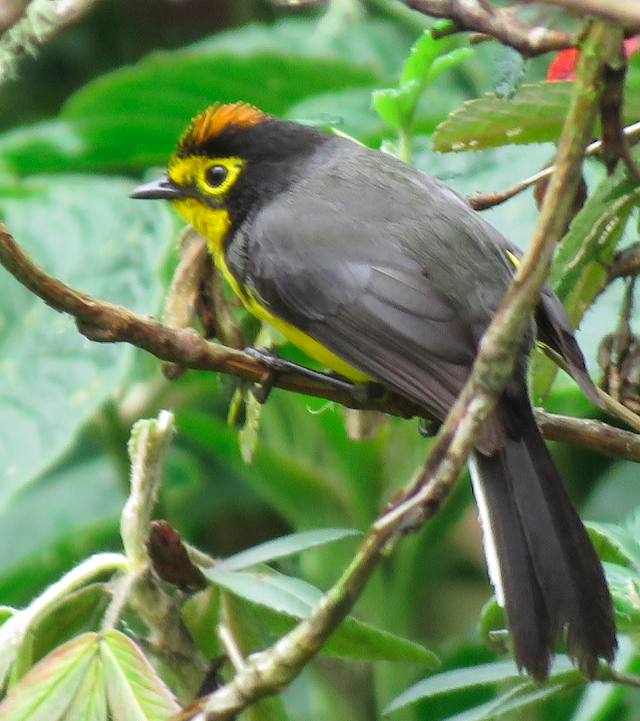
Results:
[111, 323]
[625, 12]
[500, 23]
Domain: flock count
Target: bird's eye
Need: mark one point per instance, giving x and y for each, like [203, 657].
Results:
[216, 175]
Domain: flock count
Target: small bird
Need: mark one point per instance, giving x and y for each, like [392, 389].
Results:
[381, 272]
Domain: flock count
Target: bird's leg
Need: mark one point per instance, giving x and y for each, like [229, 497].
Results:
[360, 392]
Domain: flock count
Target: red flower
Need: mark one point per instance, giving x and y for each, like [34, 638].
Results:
[563, 66]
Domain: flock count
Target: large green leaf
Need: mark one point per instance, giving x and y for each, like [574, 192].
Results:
[85, 494]
[88, 233]
[131, 117]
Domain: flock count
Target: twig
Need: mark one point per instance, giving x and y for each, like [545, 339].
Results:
[483, 201]
[626, 262]
[594, 435]
[479, 16]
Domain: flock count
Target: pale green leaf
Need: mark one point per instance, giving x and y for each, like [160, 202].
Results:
[279, 548]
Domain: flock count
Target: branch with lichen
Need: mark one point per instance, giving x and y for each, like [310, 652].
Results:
[42, 21]
[502, 23]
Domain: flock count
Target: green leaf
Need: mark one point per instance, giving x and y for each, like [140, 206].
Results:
[464, 678]
[134, 689]
[615, 544]
[535, 114]
[387, 105]
[421, 56]
[47, 692]
[454, 681]
[280, 547]
[88, 233]
[517, 699]
[444, 62]
[287, 600]
[397, 106]
[130, 118]
[624, 585]
[90, 703]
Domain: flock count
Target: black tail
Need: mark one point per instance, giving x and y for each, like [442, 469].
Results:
[541, 561]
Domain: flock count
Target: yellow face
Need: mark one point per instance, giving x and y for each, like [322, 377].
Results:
[211, 178]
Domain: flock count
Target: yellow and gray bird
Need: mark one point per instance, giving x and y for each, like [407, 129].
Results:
[383, 273]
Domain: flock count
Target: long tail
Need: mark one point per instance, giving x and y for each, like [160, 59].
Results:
[544, 568]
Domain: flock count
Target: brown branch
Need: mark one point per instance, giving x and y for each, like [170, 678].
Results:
[500, 23]
[108, 322]
[625, 12]
[105, 322]
[590, 434]
[626, 262]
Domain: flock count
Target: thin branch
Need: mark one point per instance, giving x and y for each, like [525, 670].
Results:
[625, 12]
[185, 347]
[483, 201]
[500, 23]
[594, 435]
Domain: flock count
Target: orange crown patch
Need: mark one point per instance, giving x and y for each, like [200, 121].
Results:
[217, 117]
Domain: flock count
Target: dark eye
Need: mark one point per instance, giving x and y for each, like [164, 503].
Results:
[216, 175]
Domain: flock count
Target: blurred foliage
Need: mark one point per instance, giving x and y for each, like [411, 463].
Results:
[84, 121]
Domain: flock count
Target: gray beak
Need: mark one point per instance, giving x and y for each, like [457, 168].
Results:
[161, 189]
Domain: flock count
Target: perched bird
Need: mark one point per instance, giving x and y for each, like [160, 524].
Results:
[383, 273]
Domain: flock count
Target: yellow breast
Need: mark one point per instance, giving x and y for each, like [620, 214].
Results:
[213, 225]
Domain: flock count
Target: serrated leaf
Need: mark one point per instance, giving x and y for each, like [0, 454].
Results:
[134, 689]
[88, 233]
[535, 114]
[48, 690]
[279, 548]
[293, 599]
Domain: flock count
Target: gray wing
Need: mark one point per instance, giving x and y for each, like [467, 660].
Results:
[380, 313]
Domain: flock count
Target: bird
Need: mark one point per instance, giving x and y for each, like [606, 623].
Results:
[383, 273]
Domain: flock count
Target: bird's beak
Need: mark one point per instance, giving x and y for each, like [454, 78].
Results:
[161, 189]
